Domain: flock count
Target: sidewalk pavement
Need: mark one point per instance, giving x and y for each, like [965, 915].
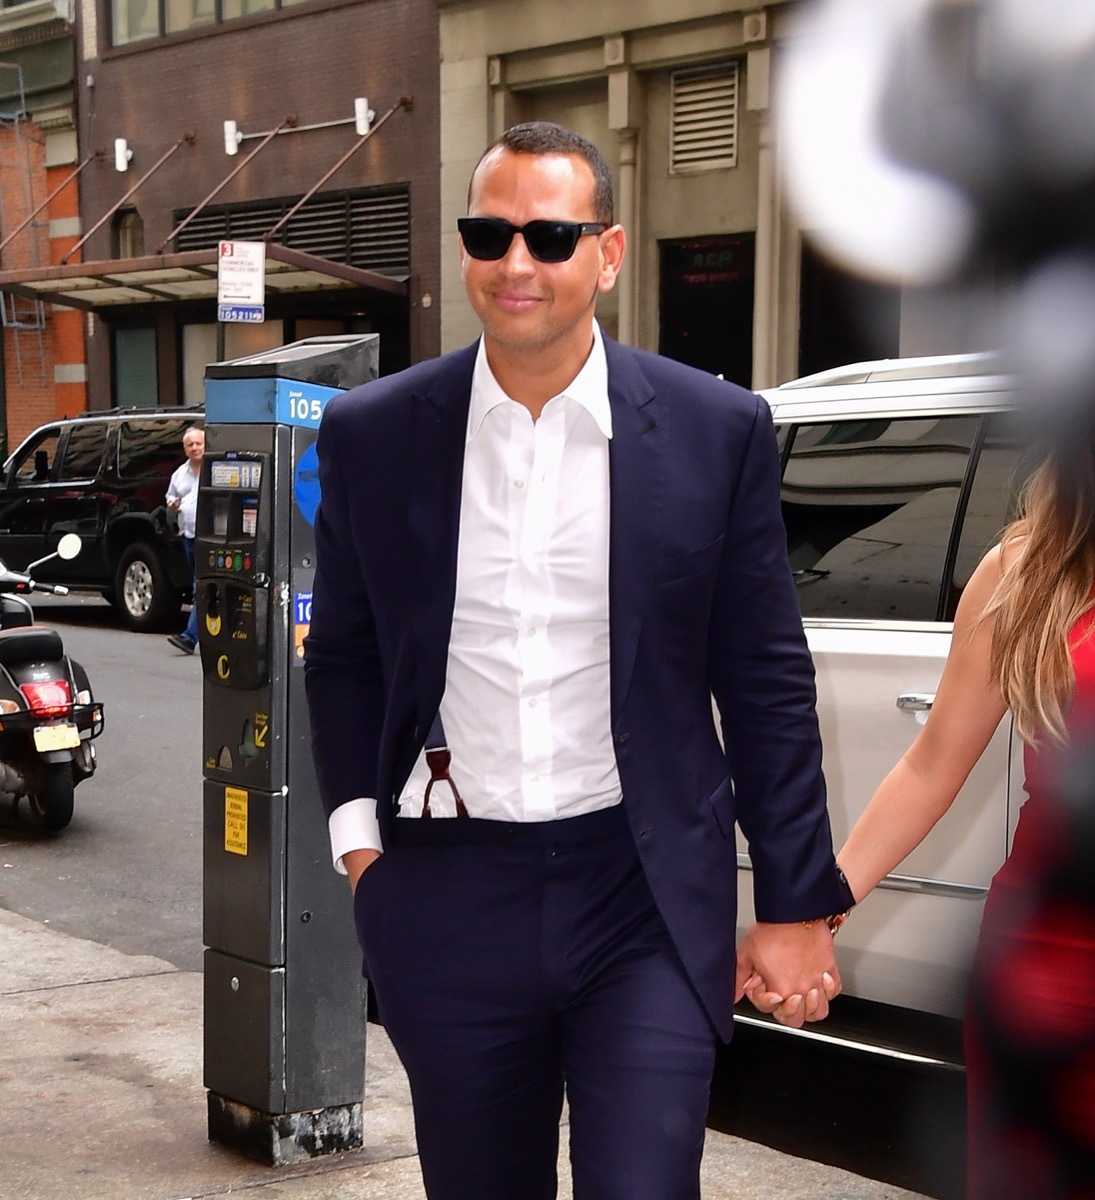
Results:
[102, 1098]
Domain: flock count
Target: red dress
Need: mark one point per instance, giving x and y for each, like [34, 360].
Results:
[1030, 1017]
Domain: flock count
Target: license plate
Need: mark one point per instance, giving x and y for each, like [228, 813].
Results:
[56, 737]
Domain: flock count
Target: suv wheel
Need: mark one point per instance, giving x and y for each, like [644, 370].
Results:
[143, 594]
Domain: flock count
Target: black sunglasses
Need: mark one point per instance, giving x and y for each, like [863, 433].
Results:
[489, 238]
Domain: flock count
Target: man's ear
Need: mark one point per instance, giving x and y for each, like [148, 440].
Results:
[613, 245]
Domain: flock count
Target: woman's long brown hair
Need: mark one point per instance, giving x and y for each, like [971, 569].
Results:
[1046, 586]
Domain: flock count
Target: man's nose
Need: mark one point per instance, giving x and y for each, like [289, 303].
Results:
[517, 260]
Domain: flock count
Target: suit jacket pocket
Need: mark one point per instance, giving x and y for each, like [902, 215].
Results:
[681, 566]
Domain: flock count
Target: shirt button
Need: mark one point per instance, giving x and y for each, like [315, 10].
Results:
[518, 483]
[531, 631]
[533, 702]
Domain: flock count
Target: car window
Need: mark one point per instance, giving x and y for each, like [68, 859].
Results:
[151, 448]
[869, 507]
[1002, 466]
[83, 451]
[37, 459]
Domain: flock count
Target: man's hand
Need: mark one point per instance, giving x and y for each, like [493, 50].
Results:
[357, 862]
[788, 970]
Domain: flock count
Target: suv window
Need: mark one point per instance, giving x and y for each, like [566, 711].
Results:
[869, 507]
[147, 448]
[83, 451]
[36, 463]
[1001, 469]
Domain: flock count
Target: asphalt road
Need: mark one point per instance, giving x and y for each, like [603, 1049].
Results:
[128, 873]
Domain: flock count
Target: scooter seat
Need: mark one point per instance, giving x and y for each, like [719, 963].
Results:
[34, 643]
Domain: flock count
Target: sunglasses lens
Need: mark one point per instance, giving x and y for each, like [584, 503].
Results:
[487, 238]
[551, 241]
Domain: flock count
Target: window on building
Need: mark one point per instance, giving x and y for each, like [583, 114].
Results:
[188, 14]
[244, 8]
[128, 234]
[703, 125]
[135, 20]
[136, 381]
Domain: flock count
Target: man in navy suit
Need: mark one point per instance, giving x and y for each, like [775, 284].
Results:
[538, 558]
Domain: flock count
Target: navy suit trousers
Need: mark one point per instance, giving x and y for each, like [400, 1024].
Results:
[515, 963]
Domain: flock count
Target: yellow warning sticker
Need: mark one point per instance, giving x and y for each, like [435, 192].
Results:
[235, 820]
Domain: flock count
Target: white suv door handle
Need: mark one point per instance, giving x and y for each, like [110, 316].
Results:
[916, 701]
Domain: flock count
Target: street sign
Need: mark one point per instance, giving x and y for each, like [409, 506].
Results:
[241, 281]
[241, 312]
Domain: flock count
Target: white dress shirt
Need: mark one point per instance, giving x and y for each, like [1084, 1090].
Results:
[526, 709]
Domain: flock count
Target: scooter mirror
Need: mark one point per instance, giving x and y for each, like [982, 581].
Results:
[69, 545]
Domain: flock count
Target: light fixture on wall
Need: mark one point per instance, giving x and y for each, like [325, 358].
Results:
[232, 138]
[363, 116]
[123, 155]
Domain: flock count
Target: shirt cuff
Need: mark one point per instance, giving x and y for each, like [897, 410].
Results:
[353, 826]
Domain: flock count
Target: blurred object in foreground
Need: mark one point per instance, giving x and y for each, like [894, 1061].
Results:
[922, 140]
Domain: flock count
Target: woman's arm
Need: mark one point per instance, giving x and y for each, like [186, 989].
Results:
[922, 786]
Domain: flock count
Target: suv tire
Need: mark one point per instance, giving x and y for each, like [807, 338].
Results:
[144, 596]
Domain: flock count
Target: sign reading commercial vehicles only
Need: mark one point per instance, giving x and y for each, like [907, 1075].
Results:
[241, 281]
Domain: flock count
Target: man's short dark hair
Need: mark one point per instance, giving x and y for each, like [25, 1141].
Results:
[545, 137]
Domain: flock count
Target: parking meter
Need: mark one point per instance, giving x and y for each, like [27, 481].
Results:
[284, 997]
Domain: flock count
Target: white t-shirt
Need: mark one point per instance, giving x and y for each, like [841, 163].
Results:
[184, 488]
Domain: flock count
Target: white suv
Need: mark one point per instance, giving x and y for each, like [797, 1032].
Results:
[898, 476]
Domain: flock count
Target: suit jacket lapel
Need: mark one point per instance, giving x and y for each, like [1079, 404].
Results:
[439, 422]
[636, 490]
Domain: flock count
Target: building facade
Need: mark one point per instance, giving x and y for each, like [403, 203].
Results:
[194, 121]
[678, 94]
[42, 363]
[310, 126]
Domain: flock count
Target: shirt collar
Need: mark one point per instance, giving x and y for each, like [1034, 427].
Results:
[589, 388]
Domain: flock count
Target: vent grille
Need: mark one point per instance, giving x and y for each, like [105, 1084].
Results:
[704, 118]
[370, 230]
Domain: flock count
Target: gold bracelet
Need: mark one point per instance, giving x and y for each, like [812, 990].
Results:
[832, 922]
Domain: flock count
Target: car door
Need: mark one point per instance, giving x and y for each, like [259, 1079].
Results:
[76, 503]
[29, 482]
[886, 518]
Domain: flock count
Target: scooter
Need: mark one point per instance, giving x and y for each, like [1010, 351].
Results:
[48, 716]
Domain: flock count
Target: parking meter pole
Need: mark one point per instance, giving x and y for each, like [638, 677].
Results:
[284, 997]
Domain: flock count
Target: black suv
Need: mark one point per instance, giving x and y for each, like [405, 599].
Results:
[103, 475]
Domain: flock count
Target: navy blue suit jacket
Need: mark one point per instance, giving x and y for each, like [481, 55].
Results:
[701, 604]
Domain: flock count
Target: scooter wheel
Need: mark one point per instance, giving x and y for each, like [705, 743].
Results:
[52, 803]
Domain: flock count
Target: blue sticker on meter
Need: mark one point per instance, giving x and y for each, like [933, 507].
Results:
[306, 484]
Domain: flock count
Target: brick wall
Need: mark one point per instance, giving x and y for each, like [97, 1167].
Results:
[43, 368]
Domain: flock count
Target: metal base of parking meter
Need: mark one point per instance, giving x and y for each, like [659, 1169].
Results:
[284, 997]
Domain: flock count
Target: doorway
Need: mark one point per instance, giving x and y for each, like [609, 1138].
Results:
[843, 318]
[706, 304]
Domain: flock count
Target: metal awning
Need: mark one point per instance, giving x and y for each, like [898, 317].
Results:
[189, 275]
